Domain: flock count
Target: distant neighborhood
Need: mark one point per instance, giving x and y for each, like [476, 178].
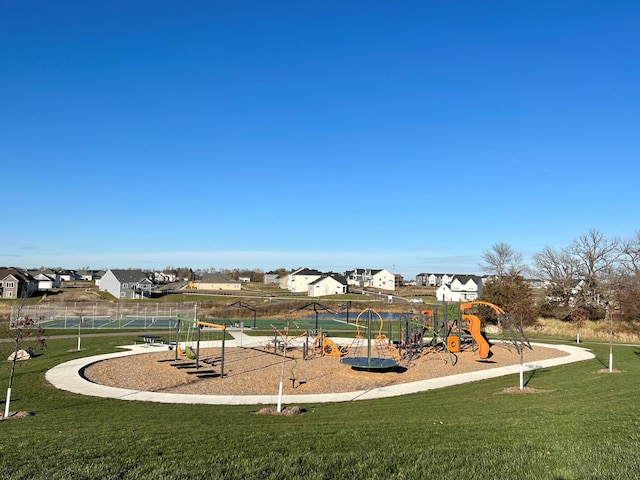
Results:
[128, 284]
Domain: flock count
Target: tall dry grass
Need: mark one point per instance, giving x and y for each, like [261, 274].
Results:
[623, 332]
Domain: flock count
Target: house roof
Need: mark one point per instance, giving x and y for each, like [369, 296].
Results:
[307, 271]
[466, 278]
[129, 276]
[335, 276]
[217, 278]
[43, 276]
[436, 274]
[18, 274]
[362, 271]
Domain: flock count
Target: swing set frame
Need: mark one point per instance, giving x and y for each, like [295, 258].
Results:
[195, 355]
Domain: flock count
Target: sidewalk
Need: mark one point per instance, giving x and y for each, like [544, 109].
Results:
[68, 376]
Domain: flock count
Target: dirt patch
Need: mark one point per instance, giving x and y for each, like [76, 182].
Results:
[606, 370]
[524, 391]
[16, 415]
[285, 411]
[258, 371]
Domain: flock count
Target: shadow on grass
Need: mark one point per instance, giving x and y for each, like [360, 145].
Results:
[530, 377]
[602, 362]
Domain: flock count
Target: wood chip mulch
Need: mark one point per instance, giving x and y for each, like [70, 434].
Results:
[258, 371]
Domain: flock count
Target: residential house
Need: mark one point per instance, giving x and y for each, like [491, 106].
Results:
[271, 277]
[16, 283]
[69, 275]
[373, 278]
[383, 279]
[163, 277]
[126, 284]
[434, 279]
[463, 288]
[328, 284]
[47, 279]
[216, 281]
[88, 275]
[568, 292]
[298, 281]
[98, 276]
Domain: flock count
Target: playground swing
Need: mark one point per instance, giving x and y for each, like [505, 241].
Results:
[191, 352]
[188, 350]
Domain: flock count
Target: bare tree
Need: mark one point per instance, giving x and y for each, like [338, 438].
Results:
[558, 270]
[585, 274]
[580, 316]
[628, 280]
[501, 260]
[596, 260]
[630, 255]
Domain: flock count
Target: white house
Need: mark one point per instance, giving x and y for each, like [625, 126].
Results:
[461, 289]
[434, 279]
[47, 281]
[298, 281]
[88, 275]
[330, 284]
[163, 277]
[383, 279]
[126, 284]
[374, 278]
[69, 275]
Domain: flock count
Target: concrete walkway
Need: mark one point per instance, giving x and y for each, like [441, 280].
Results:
[69, 376]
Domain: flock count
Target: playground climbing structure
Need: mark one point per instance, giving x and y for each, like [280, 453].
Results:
[371, 349]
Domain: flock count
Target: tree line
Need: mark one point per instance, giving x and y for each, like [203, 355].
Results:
[594, 277]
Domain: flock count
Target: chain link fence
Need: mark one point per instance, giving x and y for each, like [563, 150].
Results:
[103, 315]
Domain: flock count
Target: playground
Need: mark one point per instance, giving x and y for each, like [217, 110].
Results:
[411, 353]
[256, 369]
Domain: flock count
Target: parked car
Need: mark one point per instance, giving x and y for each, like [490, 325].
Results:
[416, 300]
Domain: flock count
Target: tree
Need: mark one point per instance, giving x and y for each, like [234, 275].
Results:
[630, 255]
[557, 269]
[628, 281]
[579, 316]
[501, 259]
[585, 274]
[514, 295]
[281, 271]
[596, 260]
[24, 334]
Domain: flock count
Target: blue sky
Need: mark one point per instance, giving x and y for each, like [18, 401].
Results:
[408, 135]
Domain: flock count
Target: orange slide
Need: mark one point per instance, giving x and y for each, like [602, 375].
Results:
[474, 328]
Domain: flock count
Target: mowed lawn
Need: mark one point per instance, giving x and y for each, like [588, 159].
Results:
[587, 425]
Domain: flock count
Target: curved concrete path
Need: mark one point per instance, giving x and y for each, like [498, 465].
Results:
[68, 376]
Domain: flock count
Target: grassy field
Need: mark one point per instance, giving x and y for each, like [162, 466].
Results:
[586, 425]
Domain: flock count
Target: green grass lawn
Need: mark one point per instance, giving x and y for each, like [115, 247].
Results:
[585, 426]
